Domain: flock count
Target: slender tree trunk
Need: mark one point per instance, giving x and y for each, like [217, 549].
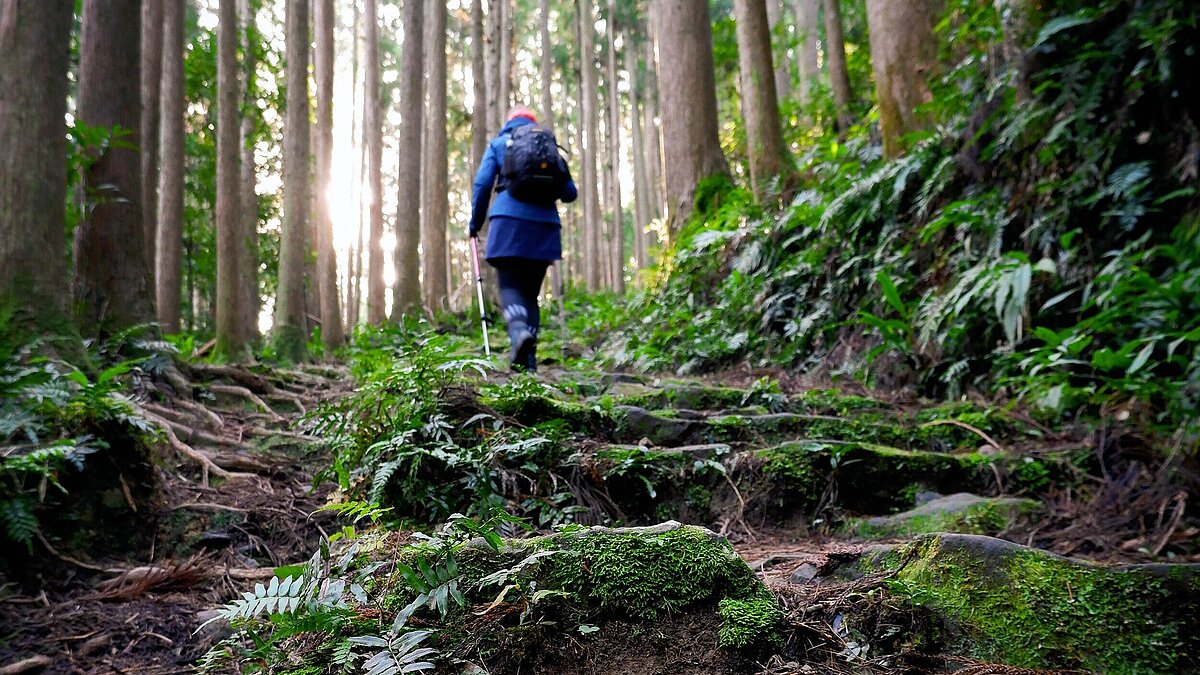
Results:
[641, 186]
[495, 27]
[152, 44]
[373, 130]
[410, 214]
[692, 151]
[504, 80]
[249, 300]
[479, 79]
[169, 250]
[547, 66]
[654, 151]
[112, 279]
[331, 313]
[434, 287]
[903, 54]
[835, 55]
[289, 337]
[614, 146]
[229, 333]
[34, 38]
[760, 108]
[808, 29]
[783, 78]
[592, 250]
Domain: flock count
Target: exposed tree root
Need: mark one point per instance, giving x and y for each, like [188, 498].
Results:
[245, 393]
[294, 399]
[207, 466]
[245, 378]
[963, 425]
[201, 411]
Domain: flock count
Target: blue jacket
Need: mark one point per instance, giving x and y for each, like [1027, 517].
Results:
[518, 229]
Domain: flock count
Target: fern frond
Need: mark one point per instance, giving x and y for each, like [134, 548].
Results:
[20, 524]
[280, 597]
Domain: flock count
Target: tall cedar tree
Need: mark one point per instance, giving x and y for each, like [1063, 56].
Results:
[249, 299]
[112, 278]
[691, 148]
[835, 55]
[808, 29]
[479, 122]
[373, 129]
[760, 108]
[169, 249]
[408, 211]
[641, 186]
[654, 153]
[34, 38]
[592, 250]
[783, 76]
[323, 65]
[903, 55]
[152, 44]
[230, 344]
[289, 338]
[434, 282]
[614, 145]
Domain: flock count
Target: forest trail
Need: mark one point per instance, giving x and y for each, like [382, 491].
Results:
[806, 484]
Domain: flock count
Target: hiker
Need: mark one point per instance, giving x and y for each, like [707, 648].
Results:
[525, 237]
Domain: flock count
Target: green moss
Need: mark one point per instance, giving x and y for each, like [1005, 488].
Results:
[641, 575]
[750, 622]
[832, 402]
[985, 517]
[1026, 608]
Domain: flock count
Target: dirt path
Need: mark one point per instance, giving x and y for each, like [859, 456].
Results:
[139, 614]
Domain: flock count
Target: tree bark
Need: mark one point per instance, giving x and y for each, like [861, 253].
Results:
[903, 54]
[229, 334]
[331, 313]
[783, 76]
[479, 108]
[493, 46]
[152, 45]
[591, 198]
[839, 74]
[692, 150]
[169, 248]
[434, 284]
[614, 149]
[760, 108]
[289, 338]
[504, 80]
[373, 131]
[654, 153]
[249, 300]
[409, 214]
[34, 38]
[111, 286]
[808, 30]
[547, 67]
[641, 186]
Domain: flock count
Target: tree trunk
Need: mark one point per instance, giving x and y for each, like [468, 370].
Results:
[289, 338]
[760, 108]
[692, 151]
[229, 334]
[34, 38]
[373, 131]
[249, 300]
[152, 44]
[835, 55]
[654, 153]
[783, 78]
[614, 148]
[641, 186]
[504, 81]
[111, 287]
[808, 31]
[903, 54]
[591, 198]
[331, 313]
[169, 248]
[547, 65]
[409, 214]
[434, 287]
[479, 110]
[492, 82]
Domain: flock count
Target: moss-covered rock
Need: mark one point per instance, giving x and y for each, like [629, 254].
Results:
[1006, 603]
[962, 513]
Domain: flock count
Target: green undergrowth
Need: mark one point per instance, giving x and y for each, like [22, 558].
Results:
[470, 593]
[983, 516]
[1027, 608]
[1043, 246]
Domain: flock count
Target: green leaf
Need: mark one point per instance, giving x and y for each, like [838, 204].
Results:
[1060, 24]
[892, 294]
[1142, 358]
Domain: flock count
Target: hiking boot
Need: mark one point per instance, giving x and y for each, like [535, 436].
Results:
[524, 346]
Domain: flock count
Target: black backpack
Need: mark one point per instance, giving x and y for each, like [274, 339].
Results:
[533, 170]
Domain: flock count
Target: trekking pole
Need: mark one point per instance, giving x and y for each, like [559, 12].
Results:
[487, 348]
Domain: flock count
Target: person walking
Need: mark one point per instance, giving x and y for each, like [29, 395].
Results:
[529, 177]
